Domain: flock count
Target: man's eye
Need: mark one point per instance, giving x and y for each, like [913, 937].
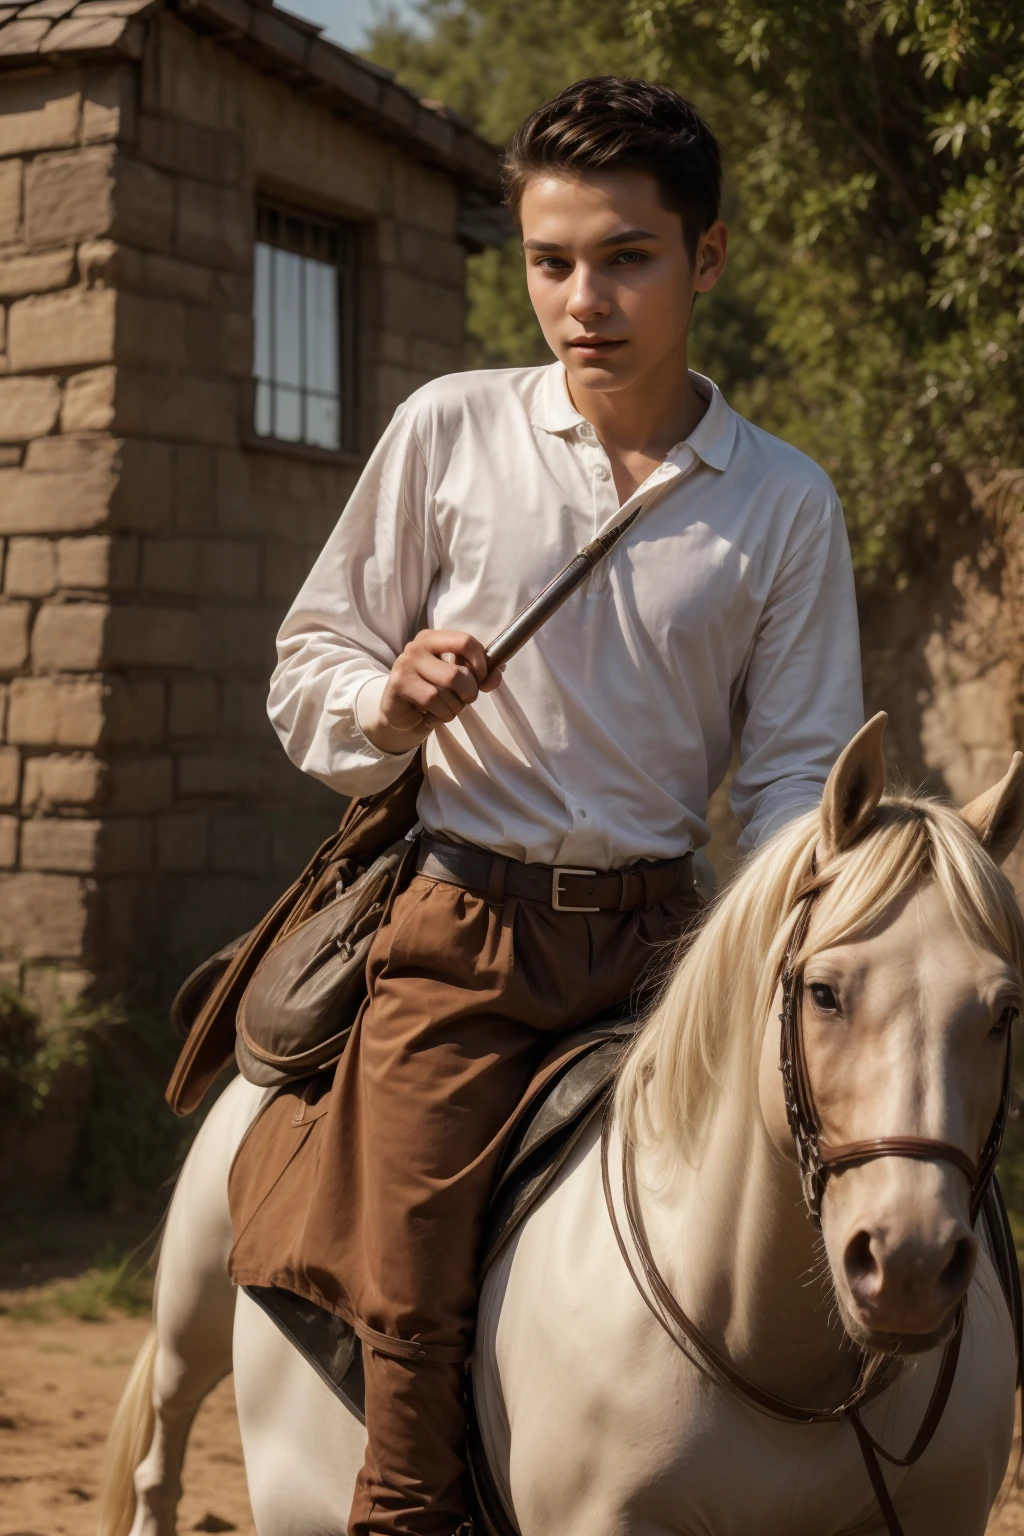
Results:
[630, 258]
[823, 997]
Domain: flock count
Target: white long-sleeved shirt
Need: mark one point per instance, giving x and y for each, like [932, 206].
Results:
[732, 591]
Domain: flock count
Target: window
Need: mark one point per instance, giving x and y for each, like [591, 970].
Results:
[304, 317]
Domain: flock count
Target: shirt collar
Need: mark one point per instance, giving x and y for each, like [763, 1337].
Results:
[712, 439]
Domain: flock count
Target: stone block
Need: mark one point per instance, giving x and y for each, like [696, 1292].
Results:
[10, 775]
[4, 701]
[194, 708]
[46, 917]
[62, 712]
[97, 562]
[37, 272]
[242, 638]
[214, 224]
[31, 568]
[266, 775]
[63, 779]
[150, 332]
[108, 105]
[141, 784]
[207, 775]
[144, 496]
[10, 455]
[229, 569]
[245, 711]
[413, 307]
[70, 637]
[134, 713]
[40, 111]
[154, 637]
[9, 827]
[186, 149]
[238, 844]
[285, 568]
[89, 401]
[172, 565]
[430, 256]
[62, 330]
[14, 625]
[143, 204]
[74, 455]
[69, 196]
[179, 408]
[10, 201]
[194, 493]
[57, 503]
[28, 408]
[181, 843]
[172, 275]
[126, 845]
[70, 845]
[104, 263]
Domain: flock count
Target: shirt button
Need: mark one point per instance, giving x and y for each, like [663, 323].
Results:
[586, 430]
[601, 473]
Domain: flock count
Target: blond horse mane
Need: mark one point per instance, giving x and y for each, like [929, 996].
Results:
[689, 1053]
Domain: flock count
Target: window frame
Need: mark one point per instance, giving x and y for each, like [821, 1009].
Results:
[346, 234]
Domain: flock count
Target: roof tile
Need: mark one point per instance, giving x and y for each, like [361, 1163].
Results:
[23, 36]
[84, 33]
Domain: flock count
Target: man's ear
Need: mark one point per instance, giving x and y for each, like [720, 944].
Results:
[997, 816]
[854, 789]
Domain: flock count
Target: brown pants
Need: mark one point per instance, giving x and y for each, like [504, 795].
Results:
[466, 999]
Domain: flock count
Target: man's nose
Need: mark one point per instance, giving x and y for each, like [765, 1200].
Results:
[586, 297]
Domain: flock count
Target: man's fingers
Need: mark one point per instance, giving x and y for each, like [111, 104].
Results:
[455, 642]
[447, 675]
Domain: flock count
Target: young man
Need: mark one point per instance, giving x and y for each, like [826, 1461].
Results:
[596, 748]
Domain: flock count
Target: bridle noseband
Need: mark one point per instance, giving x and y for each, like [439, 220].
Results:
[817, 1158]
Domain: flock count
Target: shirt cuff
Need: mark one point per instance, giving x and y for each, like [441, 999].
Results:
[367, 711]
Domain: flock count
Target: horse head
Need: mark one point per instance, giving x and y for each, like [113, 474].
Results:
[903, 988]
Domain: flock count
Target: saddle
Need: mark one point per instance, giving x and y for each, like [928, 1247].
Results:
[548, 1128]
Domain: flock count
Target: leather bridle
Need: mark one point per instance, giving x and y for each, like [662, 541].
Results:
[817, 1161]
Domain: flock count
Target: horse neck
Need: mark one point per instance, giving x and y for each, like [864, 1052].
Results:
[733, 1240]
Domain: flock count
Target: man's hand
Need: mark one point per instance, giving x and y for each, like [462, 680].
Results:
[437, 675]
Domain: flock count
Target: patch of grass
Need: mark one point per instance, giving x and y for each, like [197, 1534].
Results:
[111, 1285]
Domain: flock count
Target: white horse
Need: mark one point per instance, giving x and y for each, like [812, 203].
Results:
[594, 1420]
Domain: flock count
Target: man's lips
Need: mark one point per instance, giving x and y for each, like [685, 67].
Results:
[595, 346]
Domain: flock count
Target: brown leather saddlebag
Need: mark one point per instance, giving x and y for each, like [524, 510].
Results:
[206, 1007]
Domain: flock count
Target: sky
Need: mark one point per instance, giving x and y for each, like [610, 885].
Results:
[345, 21]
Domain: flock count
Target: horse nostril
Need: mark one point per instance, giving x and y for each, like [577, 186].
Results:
[863, 1273]
[956, 1276]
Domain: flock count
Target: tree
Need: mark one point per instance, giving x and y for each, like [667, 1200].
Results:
[873, 309]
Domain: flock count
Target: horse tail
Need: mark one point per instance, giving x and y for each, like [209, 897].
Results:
[131, 1435]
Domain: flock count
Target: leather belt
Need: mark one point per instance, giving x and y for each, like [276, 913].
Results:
[564, 887]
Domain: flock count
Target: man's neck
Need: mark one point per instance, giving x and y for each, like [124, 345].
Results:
[647, 418]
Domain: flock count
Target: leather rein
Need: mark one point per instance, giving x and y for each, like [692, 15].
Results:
[817, 1160]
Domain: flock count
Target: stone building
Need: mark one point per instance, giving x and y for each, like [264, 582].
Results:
[228, 249]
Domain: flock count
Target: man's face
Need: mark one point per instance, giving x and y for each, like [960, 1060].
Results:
[609, 273]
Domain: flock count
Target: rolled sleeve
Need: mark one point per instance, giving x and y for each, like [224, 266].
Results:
[802, 693]
[355, 612]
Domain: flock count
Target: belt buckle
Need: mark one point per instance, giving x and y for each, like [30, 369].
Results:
[557, 876]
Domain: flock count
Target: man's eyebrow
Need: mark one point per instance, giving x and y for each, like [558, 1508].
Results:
[626, 237]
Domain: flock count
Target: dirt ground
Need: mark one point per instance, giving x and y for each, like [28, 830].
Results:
[59, 1382]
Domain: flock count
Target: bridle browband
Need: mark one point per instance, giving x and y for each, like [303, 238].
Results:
[817, 1160]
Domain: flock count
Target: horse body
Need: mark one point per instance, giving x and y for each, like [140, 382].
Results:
[594, 1420]
[595, 1424]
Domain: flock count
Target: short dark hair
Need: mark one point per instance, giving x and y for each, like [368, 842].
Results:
[613, 122]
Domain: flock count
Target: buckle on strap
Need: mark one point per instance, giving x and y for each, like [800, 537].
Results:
[558, 874]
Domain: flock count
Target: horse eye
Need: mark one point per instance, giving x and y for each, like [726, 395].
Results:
[1005, 1021]
[823, 996]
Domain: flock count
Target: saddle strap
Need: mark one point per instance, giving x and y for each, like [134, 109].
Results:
[875, 1473]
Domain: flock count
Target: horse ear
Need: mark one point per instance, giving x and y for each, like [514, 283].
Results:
[854, 789]
[997, 816]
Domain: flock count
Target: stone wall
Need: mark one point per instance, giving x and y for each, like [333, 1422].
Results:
[149, 547]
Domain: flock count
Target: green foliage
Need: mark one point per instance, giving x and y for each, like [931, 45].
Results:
[32, 1061]
[113, 1284]
[873, 307]
[121, 1059]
